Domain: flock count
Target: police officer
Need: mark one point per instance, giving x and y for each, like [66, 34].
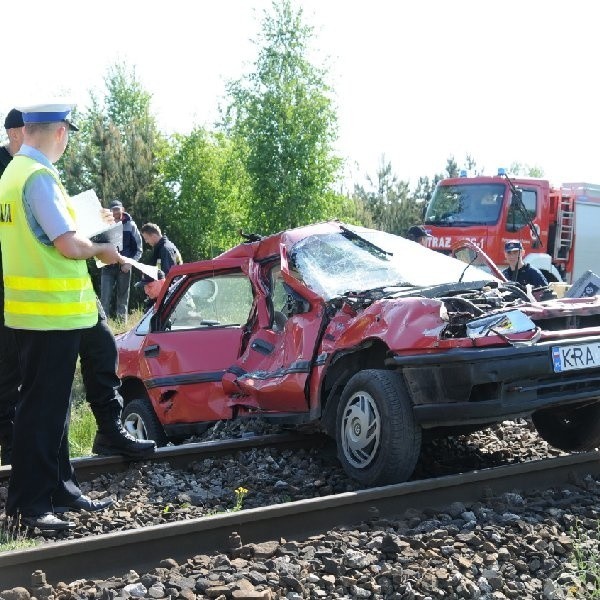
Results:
[98, 355]
[49, 299]
[520, 271]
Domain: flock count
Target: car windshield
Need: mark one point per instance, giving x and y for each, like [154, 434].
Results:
[473, 204]
[358, 259]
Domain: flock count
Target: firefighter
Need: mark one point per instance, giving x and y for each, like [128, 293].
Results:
[520, 271]
[418, 234]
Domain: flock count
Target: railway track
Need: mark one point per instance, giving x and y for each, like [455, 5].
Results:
[143, 549]
[89, 467]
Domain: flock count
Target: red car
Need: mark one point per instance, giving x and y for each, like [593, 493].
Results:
[376, 337]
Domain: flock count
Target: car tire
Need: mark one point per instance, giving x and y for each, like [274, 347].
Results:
[570, 428]
[140, 421]
[378, 440]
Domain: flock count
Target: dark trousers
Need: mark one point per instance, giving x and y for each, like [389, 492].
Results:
[112, 277]
[10, 380]
[42, 474]
[99, 359]
[98, 356]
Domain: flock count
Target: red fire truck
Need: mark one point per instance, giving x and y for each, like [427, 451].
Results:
[559, 227]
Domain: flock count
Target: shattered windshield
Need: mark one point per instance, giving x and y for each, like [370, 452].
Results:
[332, 264]
[469, 204]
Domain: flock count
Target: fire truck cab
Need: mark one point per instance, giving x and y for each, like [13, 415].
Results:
[557, 226]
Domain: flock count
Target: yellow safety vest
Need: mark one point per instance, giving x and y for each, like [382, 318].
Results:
[43, 290]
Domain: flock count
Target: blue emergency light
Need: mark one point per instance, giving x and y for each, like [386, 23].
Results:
[501, 171]
[463, 173]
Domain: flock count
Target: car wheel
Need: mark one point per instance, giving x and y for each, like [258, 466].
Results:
[377, 438]
[140, 421]
[570, 428]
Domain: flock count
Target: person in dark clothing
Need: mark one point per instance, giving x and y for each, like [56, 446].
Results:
[9, 365]
[518, 270]
[418, 234]
[119, 276]
[13, 123]
[98, 359]
[164, 251]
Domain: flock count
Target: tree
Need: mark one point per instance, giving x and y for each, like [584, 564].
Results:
[389, 203]
[117, 151]
[519, 169]
[203, 195]
[283, 117]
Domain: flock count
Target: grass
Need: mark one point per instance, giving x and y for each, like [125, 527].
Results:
[587, 558]
[14, 538]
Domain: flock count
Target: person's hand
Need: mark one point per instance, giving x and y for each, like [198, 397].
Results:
[107, 216]
[125, 268]
[109, 255]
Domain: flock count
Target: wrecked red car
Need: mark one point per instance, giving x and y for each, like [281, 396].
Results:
[375, 337]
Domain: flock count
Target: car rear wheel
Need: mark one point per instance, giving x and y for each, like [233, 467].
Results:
[377, 438]
[570, 428]
[139, 419]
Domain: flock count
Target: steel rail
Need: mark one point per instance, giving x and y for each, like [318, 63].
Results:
[142, 549]
[89, 467]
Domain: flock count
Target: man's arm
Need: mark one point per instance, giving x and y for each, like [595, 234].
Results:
[72, 245]
[537, 277]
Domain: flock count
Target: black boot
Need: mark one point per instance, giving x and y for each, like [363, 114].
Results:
[112, 438]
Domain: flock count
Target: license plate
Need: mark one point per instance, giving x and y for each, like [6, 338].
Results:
[577, 356]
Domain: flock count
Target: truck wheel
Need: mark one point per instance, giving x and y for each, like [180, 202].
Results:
[378, 441]
[140, 421]
[570, 428]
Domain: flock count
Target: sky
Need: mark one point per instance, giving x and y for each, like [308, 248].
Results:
[414, 81]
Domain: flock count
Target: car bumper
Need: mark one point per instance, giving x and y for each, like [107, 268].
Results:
[483, 385]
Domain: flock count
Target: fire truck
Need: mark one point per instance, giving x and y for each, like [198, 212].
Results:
[558, 227]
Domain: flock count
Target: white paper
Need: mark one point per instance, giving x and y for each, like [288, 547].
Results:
[145, 269]
[92, 219]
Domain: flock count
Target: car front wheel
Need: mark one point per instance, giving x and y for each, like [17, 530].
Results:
[139, 420]
[377, 438]
[570, 428]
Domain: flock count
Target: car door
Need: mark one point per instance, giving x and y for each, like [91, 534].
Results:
[197, 332]
[273, 372]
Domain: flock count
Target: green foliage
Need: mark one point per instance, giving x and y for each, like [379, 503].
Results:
[82, 430]
[12, 537]
[517, 169]
[203, 196]
[283, 121]
[388, 203]
[587, 559]
[118, 149]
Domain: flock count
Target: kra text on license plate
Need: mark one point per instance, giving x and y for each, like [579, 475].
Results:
[577, 356]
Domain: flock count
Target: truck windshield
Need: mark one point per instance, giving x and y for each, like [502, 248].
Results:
[469, 204]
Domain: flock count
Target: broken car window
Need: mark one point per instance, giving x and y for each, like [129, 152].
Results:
[331, 264]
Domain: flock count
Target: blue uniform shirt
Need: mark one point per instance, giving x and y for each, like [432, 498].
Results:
[526, 275]
[43, 201]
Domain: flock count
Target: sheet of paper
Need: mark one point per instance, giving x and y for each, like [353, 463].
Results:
[92, 218]
[145, 269]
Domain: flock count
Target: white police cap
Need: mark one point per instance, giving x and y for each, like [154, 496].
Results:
[48, 113]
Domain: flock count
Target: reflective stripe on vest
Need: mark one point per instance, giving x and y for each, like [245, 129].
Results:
[43, 289]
